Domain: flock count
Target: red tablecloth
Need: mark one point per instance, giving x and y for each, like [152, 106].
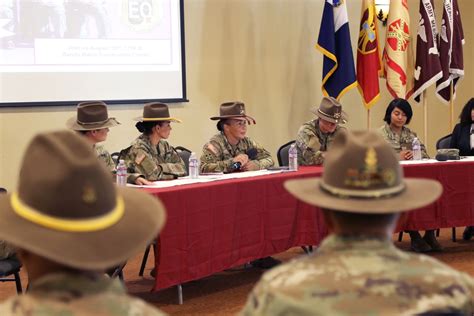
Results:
[217, 225]
[455, 207]
[214, 226]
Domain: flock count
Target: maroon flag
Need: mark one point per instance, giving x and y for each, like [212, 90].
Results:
[451, 40]
[427, 66]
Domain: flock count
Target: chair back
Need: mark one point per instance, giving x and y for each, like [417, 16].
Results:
[444, 142]
[11, 267]
[184, 153]
[282, 153]
[115, 157]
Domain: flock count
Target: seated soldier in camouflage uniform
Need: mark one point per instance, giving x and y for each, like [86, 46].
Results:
[315, 136]
[93, 121]
[229, 150]
[150, 154]
[69, 223]
[400, 137]
[357, 270]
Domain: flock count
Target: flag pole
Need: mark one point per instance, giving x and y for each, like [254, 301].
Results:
[368, 119]
[425, 118]
[451, 106]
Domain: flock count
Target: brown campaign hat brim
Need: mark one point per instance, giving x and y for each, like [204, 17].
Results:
[144, 216]
[76, 126]
[342, 120]
[417, 193]
[158, 119]
[234, 117]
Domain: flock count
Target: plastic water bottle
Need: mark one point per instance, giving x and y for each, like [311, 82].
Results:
[416, 147]
[121, 173]
[193, 166]
[293, 158]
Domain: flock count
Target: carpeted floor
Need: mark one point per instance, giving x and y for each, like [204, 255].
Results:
[225, 293]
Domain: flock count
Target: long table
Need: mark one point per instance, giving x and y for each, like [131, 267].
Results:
[214, 226]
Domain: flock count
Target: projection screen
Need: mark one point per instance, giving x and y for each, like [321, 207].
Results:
[59, 52]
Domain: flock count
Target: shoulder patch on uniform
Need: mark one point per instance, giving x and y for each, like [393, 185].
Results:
[212, 148]
[139, 158]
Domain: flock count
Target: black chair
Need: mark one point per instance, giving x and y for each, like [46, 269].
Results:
[282, 153]
[123, 153]
[115, 157]
[145, 257]
[444, 142]
[11, 267]
[184, 153]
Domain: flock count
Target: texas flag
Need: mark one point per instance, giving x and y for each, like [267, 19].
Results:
[334, 42]
[398, 55]
[368, 55]
[427, 65]
[451, 40]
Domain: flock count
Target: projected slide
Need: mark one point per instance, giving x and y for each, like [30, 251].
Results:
[90, 36]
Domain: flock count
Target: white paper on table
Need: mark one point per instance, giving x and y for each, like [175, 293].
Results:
[417, 162]
[207, 178]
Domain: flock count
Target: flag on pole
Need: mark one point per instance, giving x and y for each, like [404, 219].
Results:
[368, 55]
[451, 40]
[427, 66]
[334, 42]
[397, 55]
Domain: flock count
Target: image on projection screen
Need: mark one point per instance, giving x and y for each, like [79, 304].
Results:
[69, 50]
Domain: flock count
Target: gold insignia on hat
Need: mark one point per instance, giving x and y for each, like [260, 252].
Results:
[242, 109]
[88, 194]
[371, 160]
[337, 115]
[371, 175]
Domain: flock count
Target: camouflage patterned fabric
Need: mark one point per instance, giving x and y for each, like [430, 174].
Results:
[104, 156]
[406, 137]
[6, 250]
[311, 143]
[217, 154]
[155, 163]
[361, 276]
[71, 295]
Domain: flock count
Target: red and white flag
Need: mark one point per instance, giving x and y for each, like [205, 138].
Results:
[427, 66]
[398, 53]
[368, 55]
[451, 41]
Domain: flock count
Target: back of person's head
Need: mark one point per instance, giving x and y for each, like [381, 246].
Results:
[466, 117]
[403, 105]
[72, 213]
[146, 127]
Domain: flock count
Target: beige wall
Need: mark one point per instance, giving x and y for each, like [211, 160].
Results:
[258, 51]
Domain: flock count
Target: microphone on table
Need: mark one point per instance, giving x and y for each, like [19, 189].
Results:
[252, 153]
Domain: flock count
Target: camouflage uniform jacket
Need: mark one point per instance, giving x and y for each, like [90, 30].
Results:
[6, 250]
[406, 137]
[103, 155]
[160, 162]
[218, 153]
[361, 276]
[311, 143]
[67, 294]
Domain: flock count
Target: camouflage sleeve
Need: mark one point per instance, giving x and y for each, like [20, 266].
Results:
[308, 146]
[132, 177]
[173, 166]
[211, 161]
[264, 159]
[142, 162]
[104, 156]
